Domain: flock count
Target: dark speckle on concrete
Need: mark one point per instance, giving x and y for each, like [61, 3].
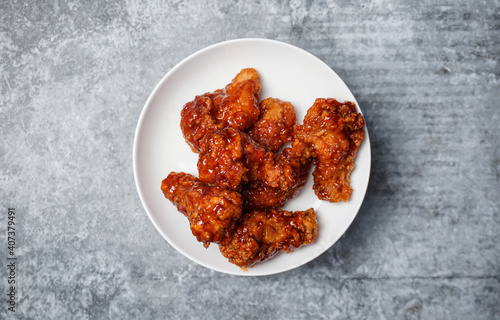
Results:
[74, 76]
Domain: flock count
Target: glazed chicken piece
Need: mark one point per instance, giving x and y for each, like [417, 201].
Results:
[275, 170]
[260, 235]
[333, 131]
[197, 120]
[230, 158]
[211, 210]
[221, 159]
[258, 196]
[274, 127]
[235, 106]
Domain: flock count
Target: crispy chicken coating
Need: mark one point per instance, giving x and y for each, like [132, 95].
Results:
[238, 107]
[260, 235]
[197, 120]
[235, 106]
[221, 159]
[333, 131]
[230, 158]
[265, 167]
[274, 127]
[271, 169]
[211, 210]
[258, 196]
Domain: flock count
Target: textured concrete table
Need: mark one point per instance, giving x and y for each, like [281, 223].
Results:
[425, 245]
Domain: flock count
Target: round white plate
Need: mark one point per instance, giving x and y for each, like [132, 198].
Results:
[287, 73]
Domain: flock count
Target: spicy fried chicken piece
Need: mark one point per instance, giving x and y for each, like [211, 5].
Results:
[211, 210]
[274, 127]
[221, 159]
[277, 170]
[197, 120]
[235, 106]
[269, 168]
[259, 196]
[333, 131]
[230, 158]
[260, 235]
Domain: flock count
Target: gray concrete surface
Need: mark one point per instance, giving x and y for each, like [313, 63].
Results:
[425, 244]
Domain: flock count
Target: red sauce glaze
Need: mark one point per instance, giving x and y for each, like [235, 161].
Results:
[260, 235]
[211, 210]
[333, 131]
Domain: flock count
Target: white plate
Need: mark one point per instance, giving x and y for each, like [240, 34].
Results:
[287, 73]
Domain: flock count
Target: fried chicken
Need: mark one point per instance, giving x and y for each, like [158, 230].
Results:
[238, 106]
[221, 160]
[333, 132]
[260, 235]
[258, 195]
[197, 120]
[270, 168]
[246, 172]
[235, 106]
[211, 210]
[274, 127]
[230, 158]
